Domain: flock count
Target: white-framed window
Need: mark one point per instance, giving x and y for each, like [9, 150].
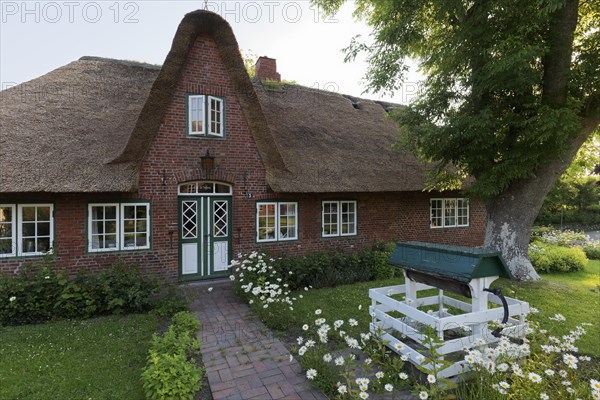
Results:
[103, 227]
[215, 116]
[276, 221]
[206, 116]
[118, 226]
[449, 212]
[338, 218]
[196, 115]
[35, 229]
[8, 231]
[135, 232]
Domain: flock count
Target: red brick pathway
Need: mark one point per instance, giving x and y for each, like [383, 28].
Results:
[242, 358]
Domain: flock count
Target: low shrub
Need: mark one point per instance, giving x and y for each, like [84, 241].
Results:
[170, 302]
[565, 237]
[40, 293]
[266, 283]
[263, 287]
[547, 257]
[333, 268]
[592, 250]
[171, 371]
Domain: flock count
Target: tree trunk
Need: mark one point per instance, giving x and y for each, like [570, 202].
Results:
[512, 213]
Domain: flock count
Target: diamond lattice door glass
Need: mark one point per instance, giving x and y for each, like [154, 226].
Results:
[220, 218]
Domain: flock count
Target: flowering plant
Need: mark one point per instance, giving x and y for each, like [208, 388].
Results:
[551, 368]
[347, 363]
[263, 287]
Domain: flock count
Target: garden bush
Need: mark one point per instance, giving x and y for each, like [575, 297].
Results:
[169, 302]
[547, 257]
[171, 371]
[333, 268]
[592, 250]
[40, 293]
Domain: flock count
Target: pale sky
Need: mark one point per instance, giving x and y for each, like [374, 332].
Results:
[37, 37]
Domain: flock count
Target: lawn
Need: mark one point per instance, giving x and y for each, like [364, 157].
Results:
[575, 295]
[94, 359]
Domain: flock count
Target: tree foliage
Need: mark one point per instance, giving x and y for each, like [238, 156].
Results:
[498, 102]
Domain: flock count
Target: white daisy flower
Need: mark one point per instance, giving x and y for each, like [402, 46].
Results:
[311, 374]
[535, 378]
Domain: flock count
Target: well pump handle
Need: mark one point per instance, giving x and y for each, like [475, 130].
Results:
[498, 292]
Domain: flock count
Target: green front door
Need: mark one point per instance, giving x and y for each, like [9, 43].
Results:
[205, 236]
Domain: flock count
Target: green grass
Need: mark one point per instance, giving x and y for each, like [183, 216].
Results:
[576, 295]
[95, 359]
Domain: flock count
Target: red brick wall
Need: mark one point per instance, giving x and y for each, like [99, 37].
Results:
[174, 158]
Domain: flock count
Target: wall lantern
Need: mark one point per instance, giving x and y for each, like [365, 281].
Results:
[207, 161]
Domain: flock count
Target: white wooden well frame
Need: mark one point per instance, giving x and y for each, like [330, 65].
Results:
[476, 316]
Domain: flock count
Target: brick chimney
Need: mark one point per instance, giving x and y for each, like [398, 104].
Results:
[266, 68]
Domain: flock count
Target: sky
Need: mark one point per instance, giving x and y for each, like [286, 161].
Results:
[37, 37]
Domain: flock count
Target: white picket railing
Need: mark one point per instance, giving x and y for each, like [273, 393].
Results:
[407, 329]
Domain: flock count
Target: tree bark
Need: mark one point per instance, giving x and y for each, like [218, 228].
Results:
[512, 213]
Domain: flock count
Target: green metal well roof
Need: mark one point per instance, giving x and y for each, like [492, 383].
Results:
[451, 262]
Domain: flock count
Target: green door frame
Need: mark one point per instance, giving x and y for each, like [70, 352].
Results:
[204, 236]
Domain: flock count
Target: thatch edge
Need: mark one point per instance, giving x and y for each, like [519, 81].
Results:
[194, 24]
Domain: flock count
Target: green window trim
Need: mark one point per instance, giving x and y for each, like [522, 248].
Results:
[205, 116]
[276, 221]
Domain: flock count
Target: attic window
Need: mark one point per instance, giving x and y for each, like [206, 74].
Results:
[206, 116]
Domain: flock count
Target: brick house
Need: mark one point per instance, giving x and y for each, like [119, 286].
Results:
[180, 167]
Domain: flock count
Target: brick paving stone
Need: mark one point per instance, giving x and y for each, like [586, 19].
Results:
[222, 386]
[275, 392]
[274, 379]
[243, 359]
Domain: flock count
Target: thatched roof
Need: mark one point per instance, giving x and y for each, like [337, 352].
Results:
[59, 132]
[86, 127]
[336, 143]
